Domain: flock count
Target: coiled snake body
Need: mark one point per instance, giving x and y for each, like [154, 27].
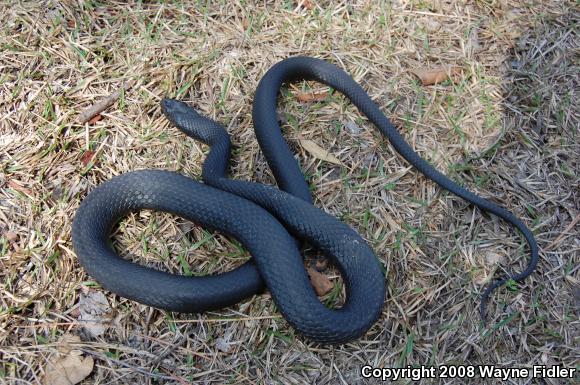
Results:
[265, 219]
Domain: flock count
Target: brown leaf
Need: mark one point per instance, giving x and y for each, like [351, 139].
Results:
[11, 236]
[490, 260]
[87, 157]
[307, 4]
[436, 75]
[75, 313]
[15, 186]
[95, 119]
[67, 343]
[68, 367]
[311, 96]
[95, 312]
[319, 281]
[493, 258]
[318, 152]
[69, 370]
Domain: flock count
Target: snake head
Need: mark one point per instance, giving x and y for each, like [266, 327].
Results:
[192, 123]
[177, 111]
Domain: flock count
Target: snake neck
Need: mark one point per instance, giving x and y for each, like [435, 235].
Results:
[216, 163]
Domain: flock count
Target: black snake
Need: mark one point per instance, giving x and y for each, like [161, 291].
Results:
[266, 220]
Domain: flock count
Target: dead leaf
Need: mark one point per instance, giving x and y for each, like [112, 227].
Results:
[68, 367]
[352, 127]
[12, 239]
[11, 236]
[319, 281]
[492, 258]
[307, 4]
[318, 152]
[95, 119]
[75, 313]
[94, 312]
[15, 186]
[87, 157]
[67, 342]
[311, 96]
[69, 370]
[437, 75]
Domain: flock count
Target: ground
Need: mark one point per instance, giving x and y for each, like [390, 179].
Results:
[505, 126]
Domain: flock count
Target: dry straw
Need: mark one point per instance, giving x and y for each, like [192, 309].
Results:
[505, 125]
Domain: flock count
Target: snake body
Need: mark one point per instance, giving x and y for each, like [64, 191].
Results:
[267, 221]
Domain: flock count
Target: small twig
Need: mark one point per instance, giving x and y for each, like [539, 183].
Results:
[103, 104]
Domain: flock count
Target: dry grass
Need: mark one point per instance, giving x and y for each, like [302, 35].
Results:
[508, 129]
